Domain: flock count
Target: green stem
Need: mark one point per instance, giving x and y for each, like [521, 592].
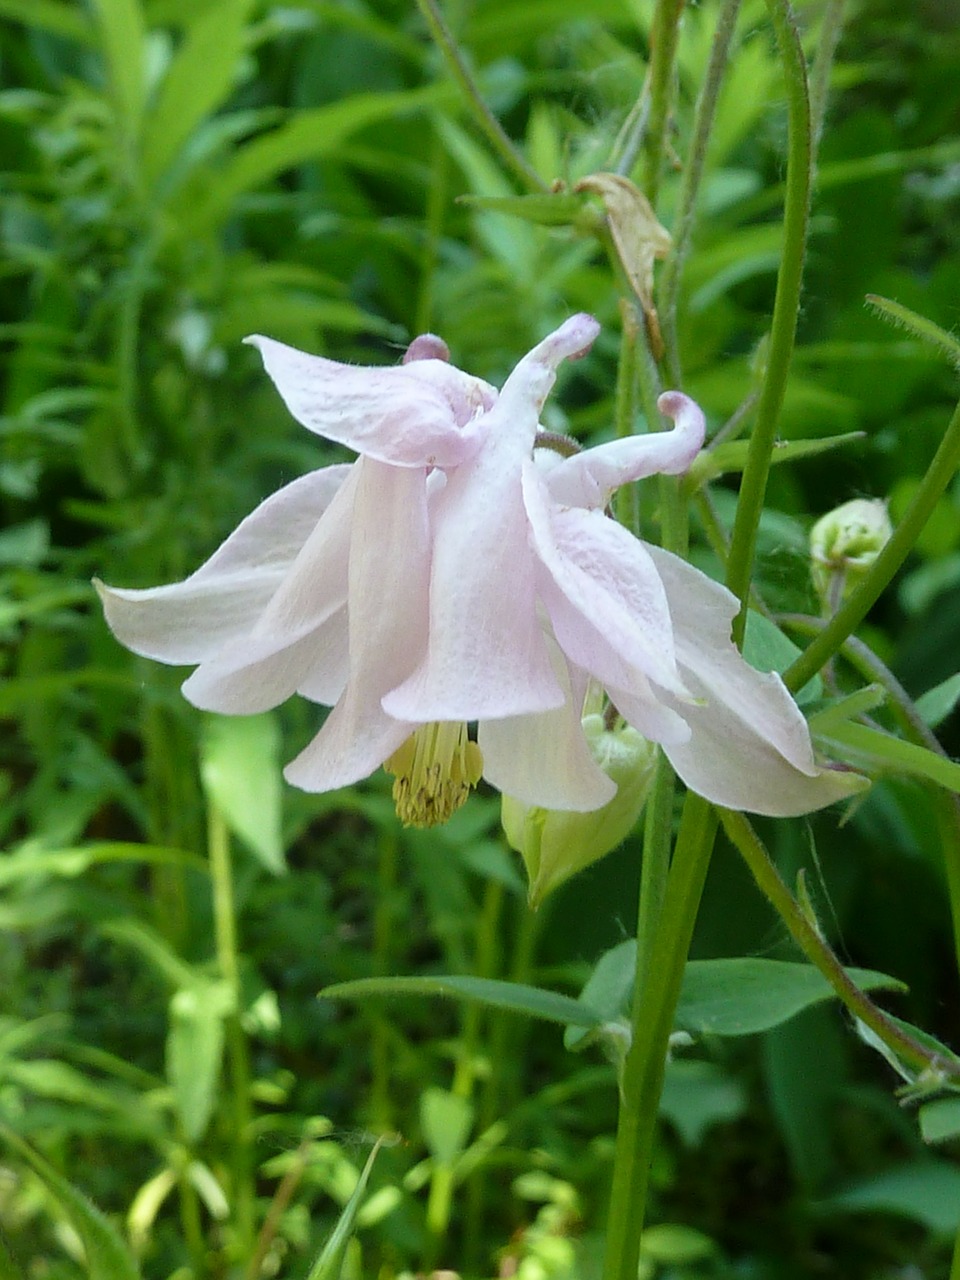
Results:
[625, 414]
[654, 1008]
[440, 1197]
[805, 934]
[664, 35]
[955, 1264]
[383, 918]
[191, 1223]
[683, 222]
[228, 961]
[851, 613]
[485, 119]
[785, 311]
[658, 828]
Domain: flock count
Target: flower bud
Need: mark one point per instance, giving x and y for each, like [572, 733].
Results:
[557, 843]
[844, 544]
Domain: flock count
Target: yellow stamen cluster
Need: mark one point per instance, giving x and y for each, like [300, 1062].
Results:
[434, 770]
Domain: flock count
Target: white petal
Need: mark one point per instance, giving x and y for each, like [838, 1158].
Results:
[297, 633]
[189, 621]
[606, 603]
[389, 577]
[544, 759]
[732, 764]
[643, 709]
[589, 478]
[414, 415]
[750, 746]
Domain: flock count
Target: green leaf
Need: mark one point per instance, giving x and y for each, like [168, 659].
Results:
[903, 318]
[925, 1190]
[727, 997]
[68, 863]
[868, 748]
[445, 1120]
[198, 80]
[561, 210]
[534, 1002]
[940, 1120]
[329, 1265]
[195, 1051]
[107, 1256]
[66, 20]
[732, 456]
[936, 704]
[697, 1095]
[124, 42]
[766, 648]
[740, 997]
[240, 768]
[309, 135]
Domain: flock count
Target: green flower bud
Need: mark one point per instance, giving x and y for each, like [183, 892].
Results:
[844, 544]
[557, 843]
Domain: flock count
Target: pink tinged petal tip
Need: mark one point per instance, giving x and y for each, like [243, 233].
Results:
[749, 746]
[588, 479]
[422, 414]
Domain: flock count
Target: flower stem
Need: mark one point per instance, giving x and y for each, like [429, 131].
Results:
[805, 934]
[785, 311]
[654, 1007]
[383, 918]
[660, 78]
[852, 612]
[225, 933]
[484, 117]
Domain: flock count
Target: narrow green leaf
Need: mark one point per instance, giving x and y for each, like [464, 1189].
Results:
[903, 318]
[240, 768]
[308, 135]
[198, 80]
[867, 747]
[66, 20]
[732, 456]
[534, 1002]
[936, 704]
[107, 1256]
[68, 863]
[845, 709]
[123, 32]
[561, 210]
[330, 1262]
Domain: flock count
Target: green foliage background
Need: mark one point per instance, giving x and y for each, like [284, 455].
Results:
[177, 174]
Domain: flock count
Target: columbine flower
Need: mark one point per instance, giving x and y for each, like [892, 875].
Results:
[446, 578]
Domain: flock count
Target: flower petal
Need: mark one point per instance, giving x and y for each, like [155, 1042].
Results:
[389, 579]
[606, 603]
[189, 621]
[588, 479]
[544, 759]
[486, 655]
[750, 746]
[298, 632]
[419, 414]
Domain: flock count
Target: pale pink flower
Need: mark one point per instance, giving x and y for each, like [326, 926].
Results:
[445, 577]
